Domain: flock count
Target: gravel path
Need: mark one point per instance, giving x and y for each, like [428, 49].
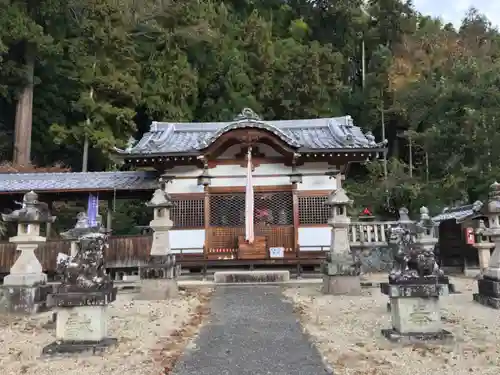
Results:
[142, 328]
[347, 333]
[252, 331]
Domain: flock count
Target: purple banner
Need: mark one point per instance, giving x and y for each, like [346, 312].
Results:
[92, 209]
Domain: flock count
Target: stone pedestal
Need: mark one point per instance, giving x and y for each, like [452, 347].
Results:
[82, 320]
[82, 324]
[484, 254]
[488, 293]
[341, 275]
[341, 285]
[415, 312]
[22, 299]
[159, 278]
[25, 289]
[158, 289]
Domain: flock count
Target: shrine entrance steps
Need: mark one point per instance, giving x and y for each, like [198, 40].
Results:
[269, 276]
[251, 331]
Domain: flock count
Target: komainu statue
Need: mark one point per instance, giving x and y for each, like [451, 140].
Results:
[411, 259]
[85, 271]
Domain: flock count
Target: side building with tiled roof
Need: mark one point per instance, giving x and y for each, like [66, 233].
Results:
[455, 252]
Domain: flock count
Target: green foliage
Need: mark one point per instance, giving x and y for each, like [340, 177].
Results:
[105, 69]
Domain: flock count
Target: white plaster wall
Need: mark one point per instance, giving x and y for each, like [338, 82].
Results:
[314, 237]
[235, 175]
[179, 186]
[187, 239]
[263, 175]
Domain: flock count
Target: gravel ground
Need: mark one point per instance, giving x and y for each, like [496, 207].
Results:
[347, 333]
[145, 331]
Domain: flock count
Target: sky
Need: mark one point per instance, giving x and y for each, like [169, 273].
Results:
[454, 10]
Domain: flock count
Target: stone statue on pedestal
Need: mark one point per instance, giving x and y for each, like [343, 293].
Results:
[82, 297]
[415, 282]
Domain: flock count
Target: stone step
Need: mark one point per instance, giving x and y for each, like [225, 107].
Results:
[224, 277]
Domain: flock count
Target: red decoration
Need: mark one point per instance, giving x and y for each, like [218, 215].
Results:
[367, 212]
[469, 236]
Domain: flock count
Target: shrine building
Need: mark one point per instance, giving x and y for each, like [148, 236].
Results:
[295, 164]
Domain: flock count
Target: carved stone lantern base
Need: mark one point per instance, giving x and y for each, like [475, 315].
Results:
[341, 285]
[82, 320]
[341, 275]
[415, 312]
[159, 278]
[489, 292]
[24, 300]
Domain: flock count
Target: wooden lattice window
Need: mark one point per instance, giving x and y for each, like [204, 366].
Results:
[313, 210]
[228, 209]
[274, 208]
[188, 212]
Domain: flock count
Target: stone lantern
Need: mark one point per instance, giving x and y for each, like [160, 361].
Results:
[159, 275]
[489, 285]
[25, 287]
[295, 176]
[425, 231]
[338, 202]
[204, 179]
[483, 246]
[340, 271]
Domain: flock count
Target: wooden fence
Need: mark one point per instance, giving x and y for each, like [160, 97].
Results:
[123, 251]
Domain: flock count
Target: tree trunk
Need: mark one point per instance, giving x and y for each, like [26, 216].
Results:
[85, 155]
[410, 156]
[24, 112]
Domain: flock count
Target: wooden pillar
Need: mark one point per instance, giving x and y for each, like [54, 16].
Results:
[48, 225]
[295, 202]
[109, 215]
[207, 222]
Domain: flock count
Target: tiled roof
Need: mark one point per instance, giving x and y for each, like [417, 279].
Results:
[314, 134]
[459, 213]
[285, 137]
[86, 181]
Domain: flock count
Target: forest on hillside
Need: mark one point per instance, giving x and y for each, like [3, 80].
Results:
[102, 70]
